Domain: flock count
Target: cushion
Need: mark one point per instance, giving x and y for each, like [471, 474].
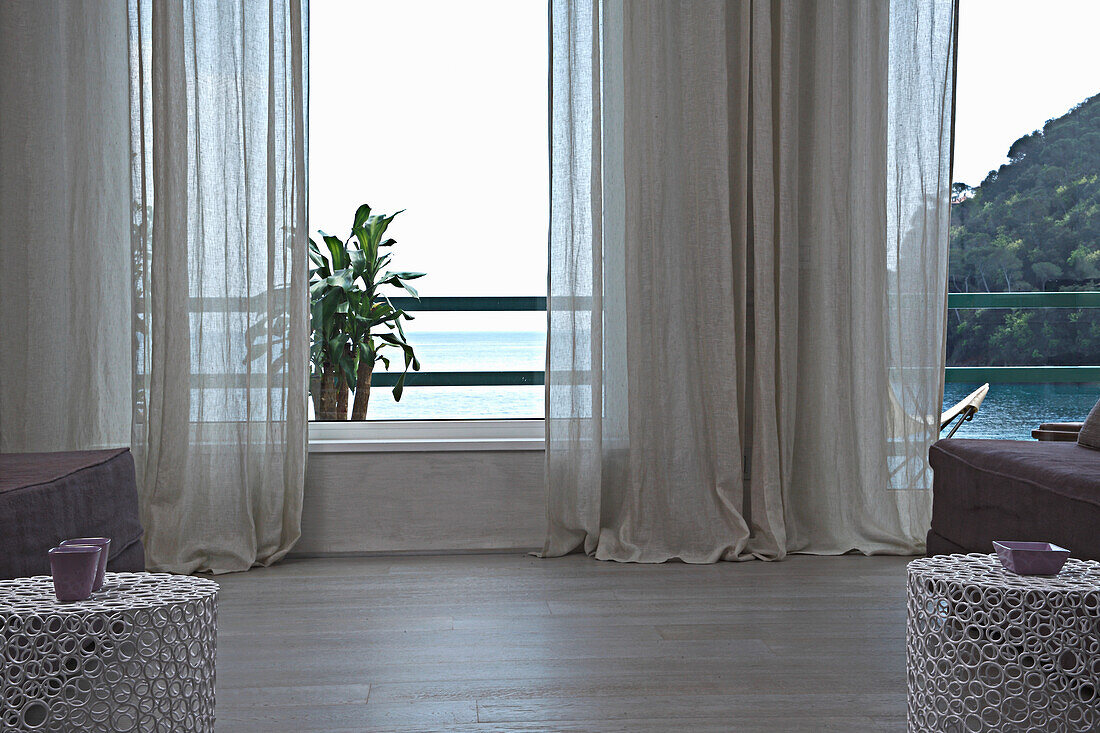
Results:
[1089, 437]
[49, 497]
[1068, 427]
[985, 490]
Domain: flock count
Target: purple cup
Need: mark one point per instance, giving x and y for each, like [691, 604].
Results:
[102, 542]
[74, 569]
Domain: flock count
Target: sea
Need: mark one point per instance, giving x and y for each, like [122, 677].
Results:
[468, 351]
[1010, 411]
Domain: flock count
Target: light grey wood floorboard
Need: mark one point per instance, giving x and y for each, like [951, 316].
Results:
[495, 643]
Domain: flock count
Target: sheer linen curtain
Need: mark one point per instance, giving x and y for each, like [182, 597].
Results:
[747, 276]
[220, 342]
[64, 242]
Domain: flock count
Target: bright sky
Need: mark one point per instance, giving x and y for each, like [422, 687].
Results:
[438, 108]
[1021, 63]
[446, 118]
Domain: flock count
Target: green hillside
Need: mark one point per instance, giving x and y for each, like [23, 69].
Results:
[1034, 224]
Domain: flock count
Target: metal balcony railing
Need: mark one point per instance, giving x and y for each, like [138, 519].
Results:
[1031, 374]
[1035, 374]
[466, 379]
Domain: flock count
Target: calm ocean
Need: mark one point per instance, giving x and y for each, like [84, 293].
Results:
[468, 351]
[1009, 411]
[1012, 411]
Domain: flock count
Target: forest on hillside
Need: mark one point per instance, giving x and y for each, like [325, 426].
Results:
[1031, 225]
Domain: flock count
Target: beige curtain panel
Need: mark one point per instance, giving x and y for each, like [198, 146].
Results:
[220, 319]
[64, 226]
[748, 257]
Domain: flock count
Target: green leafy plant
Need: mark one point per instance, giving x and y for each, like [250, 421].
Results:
[355, 325]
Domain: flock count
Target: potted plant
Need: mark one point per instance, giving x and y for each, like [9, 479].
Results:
[352, 319]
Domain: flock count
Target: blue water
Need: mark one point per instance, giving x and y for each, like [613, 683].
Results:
[468, 351]
[1009, 411]
[1012, 411]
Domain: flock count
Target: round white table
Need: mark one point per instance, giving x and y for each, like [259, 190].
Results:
[989, 650]
[137, 656]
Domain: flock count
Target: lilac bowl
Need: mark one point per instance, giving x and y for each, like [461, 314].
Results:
[103, 542]
[74, 569]
[1031, 558]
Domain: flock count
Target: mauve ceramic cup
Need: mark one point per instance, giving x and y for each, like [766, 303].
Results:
[74, 569]
[1031, 558]
[105, 543]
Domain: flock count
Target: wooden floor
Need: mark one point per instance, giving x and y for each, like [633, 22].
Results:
[482, 643]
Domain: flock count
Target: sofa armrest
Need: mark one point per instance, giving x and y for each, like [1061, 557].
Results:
[1061, 435]
[1067, 427]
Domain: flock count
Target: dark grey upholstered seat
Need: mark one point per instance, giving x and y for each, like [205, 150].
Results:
[987, 490]
[1089, 434]
[49, 497]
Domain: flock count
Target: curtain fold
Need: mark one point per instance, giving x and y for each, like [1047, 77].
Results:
[219, 322]
[747, 276]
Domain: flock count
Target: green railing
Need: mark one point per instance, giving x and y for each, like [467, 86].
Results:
[1039, 374]
[466, 379]
[1083, 299]
[1035, 374]
[472, 303]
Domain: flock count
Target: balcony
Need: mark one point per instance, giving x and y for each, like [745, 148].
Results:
[955, 301]
[1044, 374]
[1031, 393]
[1023, 395]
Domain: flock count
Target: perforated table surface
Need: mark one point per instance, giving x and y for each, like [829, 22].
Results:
[990, 650]
[137, 656]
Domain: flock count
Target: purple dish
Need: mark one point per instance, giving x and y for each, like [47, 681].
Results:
[103, 542]
[1031, 558]
[74, 570]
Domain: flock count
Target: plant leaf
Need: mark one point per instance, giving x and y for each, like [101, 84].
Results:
[338, 250]
[343, 279]
[361, 216]
[352, 321]
[357, 260]
[408, 275]
[397, 279]
[315, 255]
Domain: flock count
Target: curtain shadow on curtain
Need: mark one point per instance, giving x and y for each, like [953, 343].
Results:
[748, 267]
[220, 319]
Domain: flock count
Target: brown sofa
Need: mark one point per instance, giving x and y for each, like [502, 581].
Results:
[985, 490]
[49, 497]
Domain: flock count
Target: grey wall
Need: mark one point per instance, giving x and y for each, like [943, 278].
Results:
[423, 502]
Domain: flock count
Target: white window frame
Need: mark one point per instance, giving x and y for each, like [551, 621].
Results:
[426, 435]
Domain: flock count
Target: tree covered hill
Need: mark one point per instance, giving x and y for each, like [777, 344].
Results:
[1033, 224]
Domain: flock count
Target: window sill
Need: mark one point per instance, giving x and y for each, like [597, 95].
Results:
[426, 435]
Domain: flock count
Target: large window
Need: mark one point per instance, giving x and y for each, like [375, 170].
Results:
[1025, 223]
[440, 108]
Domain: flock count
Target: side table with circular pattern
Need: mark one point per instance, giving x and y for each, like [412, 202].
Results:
[137, 656]
[989, 650]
